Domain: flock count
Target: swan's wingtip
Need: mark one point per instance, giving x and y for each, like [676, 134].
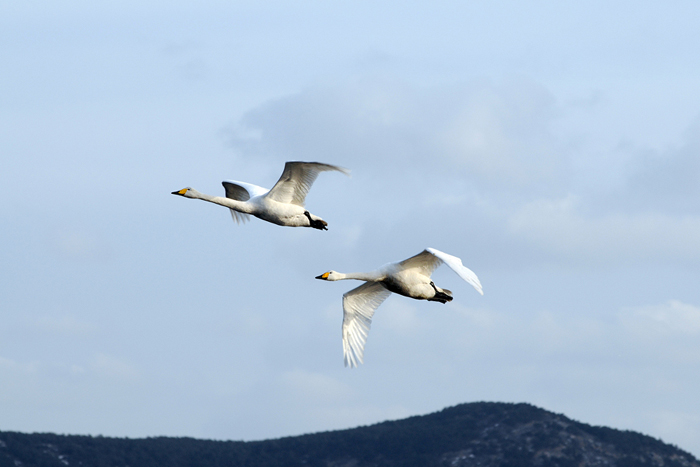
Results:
[338, 168]
[342, 170]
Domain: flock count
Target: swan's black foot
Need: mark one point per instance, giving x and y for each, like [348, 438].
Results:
[316, 224]
[442, 297]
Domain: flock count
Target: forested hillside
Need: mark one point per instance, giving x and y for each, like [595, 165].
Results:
[483, 434]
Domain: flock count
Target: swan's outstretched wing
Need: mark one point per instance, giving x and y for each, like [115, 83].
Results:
[425, 261]
[296, 181]
[358, 307]
[456, 265]
[241, 191]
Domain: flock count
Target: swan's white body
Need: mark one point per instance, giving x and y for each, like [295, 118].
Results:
[410, 277]
[283, 204]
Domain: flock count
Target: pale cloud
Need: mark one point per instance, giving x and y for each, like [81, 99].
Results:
[498, 140]
[530, 336]
[565, 227]
[320, 387]
[501, 133]
[495, 134]
[100, 364]
[668, 180]
[8, 365]
[69, 325]
[666, 320]
[612, 340]
[76, 244]
[112, 367]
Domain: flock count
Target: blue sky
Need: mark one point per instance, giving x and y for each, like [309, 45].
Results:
[553, 147]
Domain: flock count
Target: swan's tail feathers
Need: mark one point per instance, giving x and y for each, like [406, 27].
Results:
[239, 217]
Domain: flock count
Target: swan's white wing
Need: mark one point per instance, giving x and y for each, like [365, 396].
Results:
[241, 191]
[425, 261]
[358, 308]
[296, 181]
[456, 265]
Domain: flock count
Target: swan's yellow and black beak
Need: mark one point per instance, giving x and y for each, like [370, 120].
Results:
[180, 192]
[323, 276]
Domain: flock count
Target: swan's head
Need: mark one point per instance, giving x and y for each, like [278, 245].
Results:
[186, 192]
[329, 276]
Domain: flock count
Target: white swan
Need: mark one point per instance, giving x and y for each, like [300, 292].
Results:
[410, 277]
[281, 205]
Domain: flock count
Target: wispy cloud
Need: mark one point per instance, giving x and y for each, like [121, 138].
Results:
[669, 320]
[113, 367]
[566, 228]
[66, 324]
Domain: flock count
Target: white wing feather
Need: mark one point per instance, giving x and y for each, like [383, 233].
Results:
[425, 261]
[456, 265]
[242, 191]
[358, 308]
[296, 180]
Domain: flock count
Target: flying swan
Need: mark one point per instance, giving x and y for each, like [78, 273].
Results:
[281, 205]
[410, 277]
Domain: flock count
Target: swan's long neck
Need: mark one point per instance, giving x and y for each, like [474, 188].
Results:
[362, 276]
[240, 206]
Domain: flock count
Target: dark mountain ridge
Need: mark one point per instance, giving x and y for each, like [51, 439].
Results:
[476, 434]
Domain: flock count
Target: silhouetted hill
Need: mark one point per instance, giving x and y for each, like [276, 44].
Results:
[478, 434]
